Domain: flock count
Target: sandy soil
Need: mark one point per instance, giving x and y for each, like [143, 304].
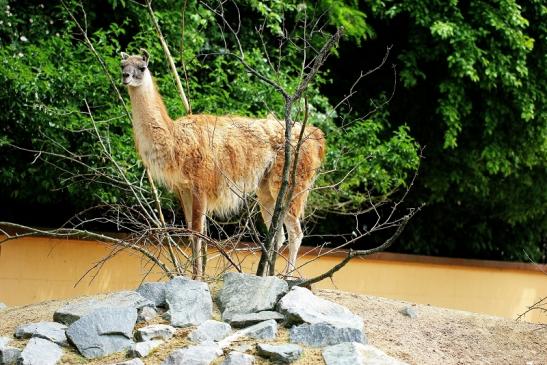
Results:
[436, 336]
[444, 336]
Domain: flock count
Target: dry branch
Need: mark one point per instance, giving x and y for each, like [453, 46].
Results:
[169, 58]
[359, 253]
[77, 233]
[283, 199]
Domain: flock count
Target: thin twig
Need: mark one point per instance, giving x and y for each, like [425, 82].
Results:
[359, 253]
[169, 57]
[77, 233]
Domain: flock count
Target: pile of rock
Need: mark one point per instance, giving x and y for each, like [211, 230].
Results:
[251, 308]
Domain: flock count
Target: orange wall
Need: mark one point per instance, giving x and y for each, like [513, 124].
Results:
[500, 292]
[37, 269]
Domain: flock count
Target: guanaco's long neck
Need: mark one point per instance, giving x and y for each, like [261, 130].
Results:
[150, 117]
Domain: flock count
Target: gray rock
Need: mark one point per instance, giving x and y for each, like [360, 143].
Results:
[131, 362]
[72, 311]
[153, 291]
[155, 332]
[297, 282]
[324, 334]
[143, 349]
[147, 314]
[301, 306]
[266, 330]
[189, 302]
[354, 353]
[103, 332]
[409, 311]
[202, 354]
[243, 347]
[9, 355]
[210, 331]
[246, 319]
[243, 293]
[282, 353]
[4, 341]
[3, 306]
[238, 358]
[40, 352]
[52, 331]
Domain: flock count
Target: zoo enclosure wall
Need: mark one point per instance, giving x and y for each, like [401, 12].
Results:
[34, 269]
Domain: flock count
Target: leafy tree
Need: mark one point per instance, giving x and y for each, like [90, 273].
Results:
[472, 89]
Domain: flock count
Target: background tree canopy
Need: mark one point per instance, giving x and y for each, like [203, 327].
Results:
[470, 87]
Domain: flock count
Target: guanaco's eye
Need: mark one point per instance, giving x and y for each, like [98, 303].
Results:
[142, 69]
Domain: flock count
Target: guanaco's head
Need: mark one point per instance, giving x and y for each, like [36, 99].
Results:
[134, 68]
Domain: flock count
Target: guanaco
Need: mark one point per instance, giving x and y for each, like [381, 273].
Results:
[213, 162]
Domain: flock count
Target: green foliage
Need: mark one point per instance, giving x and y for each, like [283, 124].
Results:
[474, 94]
[47, 80]
[366, 163]
[346, 14]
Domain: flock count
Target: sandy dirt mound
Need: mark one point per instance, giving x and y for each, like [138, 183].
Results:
[445, 336]
[436, 336]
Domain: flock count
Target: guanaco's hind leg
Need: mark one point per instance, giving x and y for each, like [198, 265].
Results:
[199, 251]
[294, 230]
[185, 198]
[266, 209]
[292, 222]
[308, 163]
[194, 205]
[267, 206]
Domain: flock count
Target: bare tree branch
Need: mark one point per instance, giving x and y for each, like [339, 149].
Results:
[283, 200]
[360, 253]
[169, 57]
[76, 233]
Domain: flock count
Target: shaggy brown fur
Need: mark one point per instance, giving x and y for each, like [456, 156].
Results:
[212, 162]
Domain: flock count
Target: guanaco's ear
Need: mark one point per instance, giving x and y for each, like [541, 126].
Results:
[124, 55]
[145, 55]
